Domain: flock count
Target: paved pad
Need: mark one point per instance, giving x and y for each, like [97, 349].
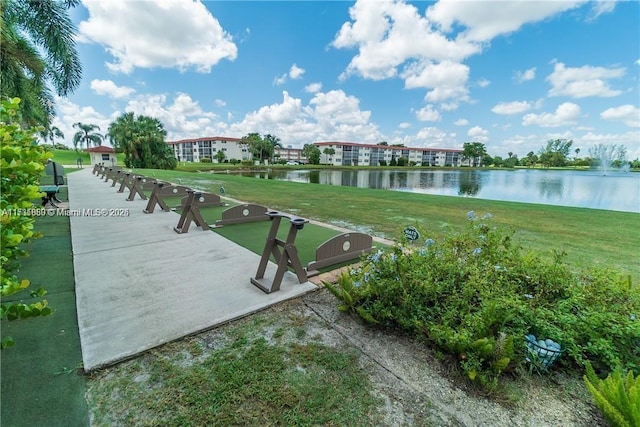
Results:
[139, 284]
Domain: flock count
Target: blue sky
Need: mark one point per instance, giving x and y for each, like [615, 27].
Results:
[509, 74]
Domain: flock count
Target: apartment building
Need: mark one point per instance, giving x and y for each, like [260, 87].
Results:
[353, 154]
[345, 153]
[194, 150]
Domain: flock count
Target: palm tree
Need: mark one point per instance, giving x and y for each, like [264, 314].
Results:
[328, 152]
[50, 134]
[86, 135]
[142, 141]
[38, 50]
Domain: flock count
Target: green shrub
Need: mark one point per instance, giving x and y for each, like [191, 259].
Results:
[21, 165]
[476, 295]
[617, 396]
[205, 160]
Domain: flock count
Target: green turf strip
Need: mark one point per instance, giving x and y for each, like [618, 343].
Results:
[40, 385]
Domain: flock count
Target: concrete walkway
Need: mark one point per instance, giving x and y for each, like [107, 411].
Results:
[139, 284]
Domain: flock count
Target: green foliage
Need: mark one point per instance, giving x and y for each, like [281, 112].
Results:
[21, 165]
[475, 294]
[220, 156]
[38, 54]
[556, 152]
[86, 135]
[617, 396]
[312, 153]
[141, 139]
[474, 151]
[205, 160]
[261, 147]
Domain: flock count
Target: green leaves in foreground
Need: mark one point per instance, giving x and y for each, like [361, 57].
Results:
[21, 164]
[475, 295]
[617, 396]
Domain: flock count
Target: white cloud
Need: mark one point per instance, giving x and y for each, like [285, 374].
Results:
[526, 75]
[313, 87]
[628, 114]
[601, 7]
[404, 125]
[282, 113]
[485, 20]
[220, 103]
[109, 88]
[565, 114]
[329, 116]
[484, 82]
[182, 118]
[394, 40]
[68, 113]
[428, 114]
[336, 106]
[461, 122]
[446, 79]
[629, 139]
[390, 34]
[430, 137]
[171, 34]
[583, 82]
[477, 134]
[296, 72]
[515, 107]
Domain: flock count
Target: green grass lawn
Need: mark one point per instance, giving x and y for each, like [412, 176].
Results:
[588, 236]
[69, 157]
[252, 235]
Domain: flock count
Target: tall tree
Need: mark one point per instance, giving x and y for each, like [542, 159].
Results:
[142, 141]
[556, 152]
[328, 152]
[312, 153]
[254, 142]
[261, 148]
[50, 134]
[475, 151]
[271, 142]
[38, 51]
[86, 135]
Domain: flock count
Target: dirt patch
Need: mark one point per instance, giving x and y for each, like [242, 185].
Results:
[416, 387]
[420, 390]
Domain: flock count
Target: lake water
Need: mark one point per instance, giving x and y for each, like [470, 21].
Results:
[617, 191]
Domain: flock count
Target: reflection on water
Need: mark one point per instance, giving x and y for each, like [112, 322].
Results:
[616, 191]
[550, 188]
[469, 183]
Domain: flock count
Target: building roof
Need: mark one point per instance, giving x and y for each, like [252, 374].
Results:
[206, 138]
[390, 147]
[100, 149]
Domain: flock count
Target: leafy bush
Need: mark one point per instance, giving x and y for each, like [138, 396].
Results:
[21, 165]
[476, 294]
[205, 160]
[617, 396]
